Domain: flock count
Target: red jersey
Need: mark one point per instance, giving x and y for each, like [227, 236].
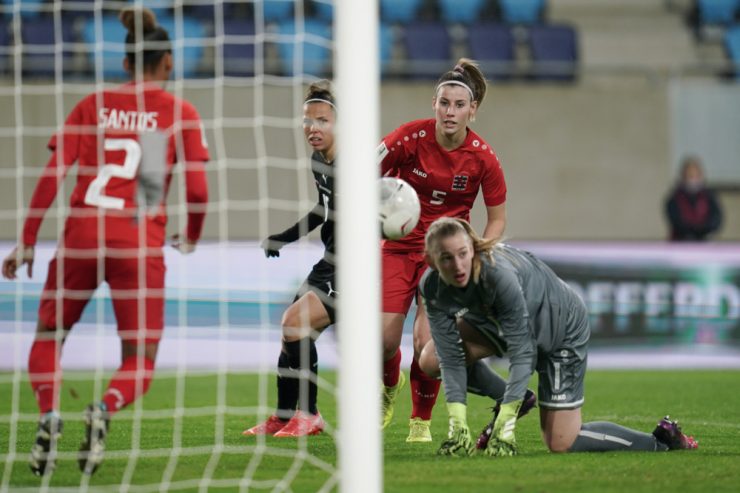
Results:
[126, 142]
[447, 182]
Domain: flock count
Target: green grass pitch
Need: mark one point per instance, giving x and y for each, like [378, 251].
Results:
[707, 404]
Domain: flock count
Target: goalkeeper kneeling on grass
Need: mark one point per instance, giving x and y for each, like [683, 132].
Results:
[484, 298]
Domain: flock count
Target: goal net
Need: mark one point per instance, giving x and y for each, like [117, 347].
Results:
[245, 65]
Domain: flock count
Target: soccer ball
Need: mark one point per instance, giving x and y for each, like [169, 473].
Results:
[399, 208]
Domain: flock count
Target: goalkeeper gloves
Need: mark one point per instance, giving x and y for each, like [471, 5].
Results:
[458, 441]
[503, 440]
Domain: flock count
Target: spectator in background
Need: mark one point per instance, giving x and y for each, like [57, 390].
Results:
[692, 209]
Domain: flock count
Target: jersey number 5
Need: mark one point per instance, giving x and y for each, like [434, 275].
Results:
[439, 197]
[127, 171]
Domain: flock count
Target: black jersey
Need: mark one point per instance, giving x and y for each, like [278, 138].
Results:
[322, 213]
[323, 174]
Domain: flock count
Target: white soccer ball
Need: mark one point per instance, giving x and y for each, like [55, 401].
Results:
[399, 208]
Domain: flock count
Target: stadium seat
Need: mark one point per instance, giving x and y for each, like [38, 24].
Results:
[187, 55]
[732, 47]
[73, 9]
[5, 53]
[276, 11]
[399, 11]
[428, 48]
[323, 9]
[494, 46]
[40, 37]
[461, 11]
[28, 8]
[238, 55]
[387, 40]
[554, 51]
[317, 53]
[721, 12]
[522, 11]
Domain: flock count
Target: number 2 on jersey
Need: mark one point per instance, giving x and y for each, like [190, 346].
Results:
[127, 171]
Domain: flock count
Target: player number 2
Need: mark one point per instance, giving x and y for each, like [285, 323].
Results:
[127, 171]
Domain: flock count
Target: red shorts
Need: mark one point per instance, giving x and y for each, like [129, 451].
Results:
[139, 312]
[402, 272]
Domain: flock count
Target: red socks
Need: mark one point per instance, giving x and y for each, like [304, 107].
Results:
[45, 373]
[129, 382]
[391, 369]
[424, 390]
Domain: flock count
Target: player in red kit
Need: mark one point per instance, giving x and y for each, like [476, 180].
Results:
[447, 163]
[125, 142]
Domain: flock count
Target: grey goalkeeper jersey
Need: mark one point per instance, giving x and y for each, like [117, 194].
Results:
[519, 305]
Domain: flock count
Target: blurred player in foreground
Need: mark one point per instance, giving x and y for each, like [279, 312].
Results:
[125, 142]
[447, 164]
[484, 298]
[312, 310]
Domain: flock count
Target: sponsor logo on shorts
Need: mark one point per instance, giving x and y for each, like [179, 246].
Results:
[560, 397]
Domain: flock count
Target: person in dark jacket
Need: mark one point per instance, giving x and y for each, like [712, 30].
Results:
[692, 209]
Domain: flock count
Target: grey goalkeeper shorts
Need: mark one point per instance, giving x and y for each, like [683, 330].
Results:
[562, 371]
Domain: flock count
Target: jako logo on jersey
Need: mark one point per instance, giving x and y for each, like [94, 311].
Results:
[462, 312]
[127, 120]
[559, 397]
[420, 173]
[460, 182]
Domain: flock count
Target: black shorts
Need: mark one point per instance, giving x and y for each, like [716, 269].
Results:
[321, 281]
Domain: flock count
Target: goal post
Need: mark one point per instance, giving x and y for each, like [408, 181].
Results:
[358, 268]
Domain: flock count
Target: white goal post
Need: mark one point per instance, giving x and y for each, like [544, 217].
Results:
[357, 75]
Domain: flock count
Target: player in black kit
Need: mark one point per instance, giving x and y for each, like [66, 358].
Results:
[312, 309]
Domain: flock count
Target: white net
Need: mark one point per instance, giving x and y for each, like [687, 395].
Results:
[244, 65]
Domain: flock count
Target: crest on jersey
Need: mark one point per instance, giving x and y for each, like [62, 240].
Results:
[460, 182]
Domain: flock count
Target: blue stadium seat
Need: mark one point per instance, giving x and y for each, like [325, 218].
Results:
[554, 50]
[428, 48]
[5, 42]
[717, 11]
[28, 8]
[189, 54]
[387, 40]
[276, 10]
[238, 56]
[40, 37]
[522, 11]
[732, 46]
[187, 57]
[207, 12]
[73, 9]
[494, 46]
[323, 9]
[461, 11]
[317, 53]
[399, 11]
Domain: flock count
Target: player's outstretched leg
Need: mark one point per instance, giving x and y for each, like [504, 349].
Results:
[600, 436]
[44, 450]
[92, 449]
[530, 402]
[389, 399]
[669, 433]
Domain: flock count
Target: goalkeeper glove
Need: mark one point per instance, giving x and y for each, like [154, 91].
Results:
[458, 441]
[503, 440]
